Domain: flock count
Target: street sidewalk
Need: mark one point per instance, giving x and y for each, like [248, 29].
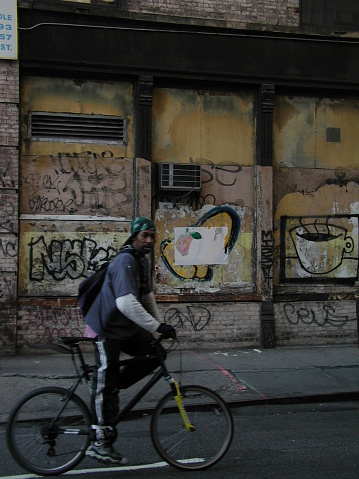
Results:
[240, 376]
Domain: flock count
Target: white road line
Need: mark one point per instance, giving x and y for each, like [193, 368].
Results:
[156, 465]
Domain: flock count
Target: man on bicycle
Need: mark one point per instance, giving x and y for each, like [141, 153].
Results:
[122, 318]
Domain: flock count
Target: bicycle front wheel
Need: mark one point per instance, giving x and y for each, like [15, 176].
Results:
[202, 445]
[48, 431]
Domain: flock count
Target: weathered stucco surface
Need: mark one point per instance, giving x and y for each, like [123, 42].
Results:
[203, 127]
[303, 128]
[77, 185]
[62, 95]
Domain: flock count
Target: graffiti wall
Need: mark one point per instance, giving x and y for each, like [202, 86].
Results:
[324, 247]
[8, 231]
[215, 324]
[76, 199]
[316, 234]
[316, 188]
[77, 184]
[316, 322]
[206, 238]
[316, 244]
[217, 257]
[41, 323]
[56, 256]
[205, 250]
[188, 239]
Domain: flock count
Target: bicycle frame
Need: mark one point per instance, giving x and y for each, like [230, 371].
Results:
[161, 372]
[58, 440]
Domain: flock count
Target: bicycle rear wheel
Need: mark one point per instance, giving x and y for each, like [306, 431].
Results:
[207, 443]
[46, 435]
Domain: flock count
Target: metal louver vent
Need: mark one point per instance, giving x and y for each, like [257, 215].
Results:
[73, 127]
[180, 177]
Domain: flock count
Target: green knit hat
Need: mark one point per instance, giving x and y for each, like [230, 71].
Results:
[140, 224]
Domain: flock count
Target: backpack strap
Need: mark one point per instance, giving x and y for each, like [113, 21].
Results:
[141, 264]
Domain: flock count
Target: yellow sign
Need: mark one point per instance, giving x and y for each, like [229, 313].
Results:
[8, 29]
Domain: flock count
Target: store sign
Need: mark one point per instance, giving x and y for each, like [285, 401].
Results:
[8, 29]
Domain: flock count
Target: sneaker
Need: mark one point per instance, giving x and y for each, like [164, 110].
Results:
[105, 453]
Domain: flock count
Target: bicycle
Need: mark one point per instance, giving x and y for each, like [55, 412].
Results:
[48, 429]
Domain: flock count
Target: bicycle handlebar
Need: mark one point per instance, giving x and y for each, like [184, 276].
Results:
[166, 336]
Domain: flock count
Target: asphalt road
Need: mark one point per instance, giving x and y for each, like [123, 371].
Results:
[314, 441]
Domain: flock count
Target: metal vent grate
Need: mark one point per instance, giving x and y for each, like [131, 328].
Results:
[74, 127]
[180, 177]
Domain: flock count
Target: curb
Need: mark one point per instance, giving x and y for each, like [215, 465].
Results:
[281, 400]
[305, 399]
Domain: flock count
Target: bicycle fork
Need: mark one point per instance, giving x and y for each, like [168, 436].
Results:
[178, 398]
[176, 392]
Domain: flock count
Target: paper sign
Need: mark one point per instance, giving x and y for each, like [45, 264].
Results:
[8, 29]
[201, 246]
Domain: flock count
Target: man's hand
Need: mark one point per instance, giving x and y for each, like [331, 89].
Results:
[167, 330]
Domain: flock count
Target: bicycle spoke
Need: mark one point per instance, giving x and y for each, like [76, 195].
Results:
[204, 445]
[42, 439]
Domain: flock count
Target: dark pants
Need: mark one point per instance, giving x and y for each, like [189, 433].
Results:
[108, 379]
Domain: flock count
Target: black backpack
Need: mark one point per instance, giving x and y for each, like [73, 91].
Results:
[91, 286]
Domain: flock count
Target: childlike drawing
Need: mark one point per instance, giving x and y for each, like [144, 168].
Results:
[184, 241]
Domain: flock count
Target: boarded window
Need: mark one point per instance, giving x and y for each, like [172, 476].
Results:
[335, 14]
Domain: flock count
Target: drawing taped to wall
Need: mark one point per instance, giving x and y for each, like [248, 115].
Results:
[202, 267]
[319, 248]
[198, 246]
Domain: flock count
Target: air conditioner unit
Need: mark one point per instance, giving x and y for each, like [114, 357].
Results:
[179, 177]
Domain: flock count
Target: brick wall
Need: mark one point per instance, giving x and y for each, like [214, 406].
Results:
[9, 153]
[209, 325]
[46, 321]
[206, 325]
[270, 12]
[317, 322]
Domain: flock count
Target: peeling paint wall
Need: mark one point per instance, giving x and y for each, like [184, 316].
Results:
[316, 132]
[203, 127]
[316, 220]
[76, 203]
[77, 184]
[62, 95]
[236, 275]
[215, 130]
[77, 199]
